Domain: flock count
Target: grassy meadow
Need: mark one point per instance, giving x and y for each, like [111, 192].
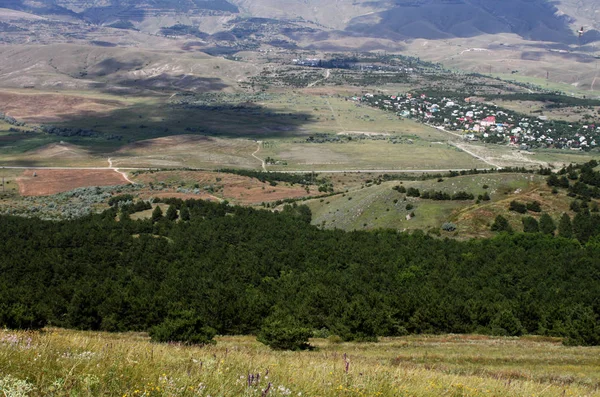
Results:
[368, 155]
[59, 362]
[366, 205]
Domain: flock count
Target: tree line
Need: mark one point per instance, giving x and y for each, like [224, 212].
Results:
[211, 268]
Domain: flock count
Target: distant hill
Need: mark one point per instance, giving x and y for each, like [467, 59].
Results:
[538, 20]
[440, 19]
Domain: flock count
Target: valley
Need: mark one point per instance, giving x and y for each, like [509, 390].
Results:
[308, 198]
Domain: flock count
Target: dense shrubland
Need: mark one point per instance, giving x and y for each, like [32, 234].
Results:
[236, 270]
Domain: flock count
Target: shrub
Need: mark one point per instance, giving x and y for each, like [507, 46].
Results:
[530, 225]
[284, 334]
[185, 327]
[321, 333]
[335, 339]
[462, 196]
[120, 198]
[534, 206]
[413, 192]
[449, 227]
[517, 207]
[501, 225]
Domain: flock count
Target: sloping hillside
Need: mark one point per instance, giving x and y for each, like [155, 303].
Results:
[539, 20]
[82, 67]
[436, 19]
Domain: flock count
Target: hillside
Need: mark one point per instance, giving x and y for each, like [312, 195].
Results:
[537, 20]
[77, 67]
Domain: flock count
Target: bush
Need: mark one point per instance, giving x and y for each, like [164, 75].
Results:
[115, 200]
[501, 225]
[530, 225]
[284, 334]
[534, 206]
[449, 227]
[185, 327]
[517, 207]
[335, 339]
[413, 192]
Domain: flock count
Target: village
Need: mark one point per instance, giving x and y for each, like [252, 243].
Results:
[477, 120]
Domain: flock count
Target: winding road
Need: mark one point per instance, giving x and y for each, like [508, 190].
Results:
[262, 162]
[110, 166]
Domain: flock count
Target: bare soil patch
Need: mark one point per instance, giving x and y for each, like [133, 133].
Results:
[47, 182]
[43, 108]
[235, 188]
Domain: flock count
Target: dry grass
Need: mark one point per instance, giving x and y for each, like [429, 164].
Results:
[47, 182]
[59, 362]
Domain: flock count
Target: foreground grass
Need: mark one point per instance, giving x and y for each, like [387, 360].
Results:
[59, 362]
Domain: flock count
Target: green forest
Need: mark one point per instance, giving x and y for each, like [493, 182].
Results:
[235, 270]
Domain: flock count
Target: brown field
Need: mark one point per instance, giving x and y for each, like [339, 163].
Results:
[235, 188]
[49, 182]
[188, 151]
[54, 154]
[44, 108]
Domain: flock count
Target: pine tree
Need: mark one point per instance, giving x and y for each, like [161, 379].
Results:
[157, 214]
[501, 225]
[172, 213]
[547, 225]
[530, 225]
[565, 228]
[184, 213]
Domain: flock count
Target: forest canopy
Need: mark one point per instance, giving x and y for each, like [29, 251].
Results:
[231, 270]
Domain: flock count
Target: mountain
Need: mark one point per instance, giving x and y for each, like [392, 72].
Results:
[539, 20]
[535, 38]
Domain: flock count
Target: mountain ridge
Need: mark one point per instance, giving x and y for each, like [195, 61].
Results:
[537, 20]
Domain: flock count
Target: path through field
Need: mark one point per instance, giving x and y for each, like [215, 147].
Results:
[110, 165]
[262, 162]
[327, 74]
[334, 116]
[462, 147]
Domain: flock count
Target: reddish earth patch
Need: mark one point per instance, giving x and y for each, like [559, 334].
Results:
[40, 108]
[183, 196]
[47, 182]
[235, 188]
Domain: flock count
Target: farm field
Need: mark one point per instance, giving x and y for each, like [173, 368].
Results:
[369, 155]
[192, 151]
[61, 362]
[181, 131]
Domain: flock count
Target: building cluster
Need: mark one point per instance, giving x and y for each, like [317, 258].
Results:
[487, 122]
